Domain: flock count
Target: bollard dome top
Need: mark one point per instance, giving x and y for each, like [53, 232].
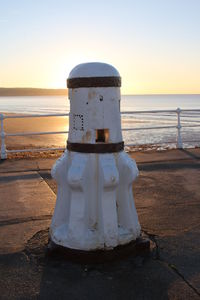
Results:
[93, 69]
[93, 74]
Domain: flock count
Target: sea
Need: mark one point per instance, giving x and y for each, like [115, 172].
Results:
[143, 136]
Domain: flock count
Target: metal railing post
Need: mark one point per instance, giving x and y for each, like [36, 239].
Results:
[179, 143]
[3, 135]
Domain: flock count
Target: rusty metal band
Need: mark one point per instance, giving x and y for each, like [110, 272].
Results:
[114, 81]
[95, 148]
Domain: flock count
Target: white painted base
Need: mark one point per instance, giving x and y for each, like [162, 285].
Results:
[95, 207]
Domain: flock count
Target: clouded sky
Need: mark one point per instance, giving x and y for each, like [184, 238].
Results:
[155, 44]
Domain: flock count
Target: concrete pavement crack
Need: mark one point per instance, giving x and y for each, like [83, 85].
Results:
[173, 268]
[152, 237]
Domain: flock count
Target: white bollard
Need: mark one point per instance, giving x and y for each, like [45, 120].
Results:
[95, 207]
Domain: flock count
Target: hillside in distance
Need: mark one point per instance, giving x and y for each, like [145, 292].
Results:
[32, 92]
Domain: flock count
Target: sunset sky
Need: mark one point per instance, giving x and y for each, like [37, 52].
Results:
[155, 44]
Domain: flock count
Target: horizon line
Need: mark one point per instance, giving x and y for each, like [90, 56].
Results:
[124, 94]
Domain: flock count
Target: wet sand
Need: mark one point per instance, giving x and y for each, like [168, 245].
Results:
[26, 125]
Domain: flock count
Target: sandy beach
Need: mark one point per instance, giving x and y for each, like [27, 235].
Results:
[26, 125]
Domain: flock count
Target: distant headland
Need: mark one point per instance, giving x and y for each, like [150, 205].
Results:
[32, 92]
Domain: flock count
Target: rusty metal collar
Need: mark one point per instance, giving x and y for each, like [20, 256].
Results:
[95, 148]
[108, 81]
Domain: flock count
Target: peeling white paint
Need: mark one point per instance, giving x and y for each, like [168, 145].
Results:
[95, 207]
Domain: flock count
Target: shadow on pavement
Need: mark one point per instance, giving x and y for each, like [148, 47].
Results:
[9, 178]
[191, 154]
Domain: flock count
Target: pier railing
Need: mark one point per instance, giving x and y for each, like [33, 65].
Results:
[178, 126]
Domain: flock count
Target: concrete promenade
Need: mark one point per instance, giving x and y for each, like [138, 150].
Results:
[167, 197]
